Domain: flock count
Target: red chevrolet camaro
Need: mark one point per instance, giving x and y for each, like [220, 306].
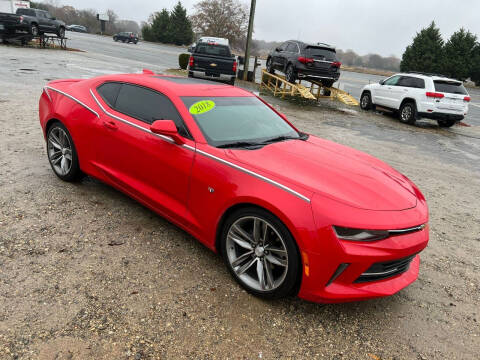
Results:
[289, 212]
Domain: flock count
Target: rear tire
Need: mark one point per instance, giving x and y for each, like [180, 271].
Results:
[327, 83]
[61, 32]
[62, 153]
[408, 113]
[290, 74]
[190, 74]
[366, 101]
[446, 123]
[268, 274]
[231, 82]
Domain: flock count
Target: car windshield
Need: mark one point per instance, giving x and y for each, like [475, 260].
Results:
[321, 53]
[238, 121]
[450, 87]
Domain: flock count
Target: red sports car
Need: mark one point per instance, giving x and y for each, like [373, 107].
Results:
[289, 212]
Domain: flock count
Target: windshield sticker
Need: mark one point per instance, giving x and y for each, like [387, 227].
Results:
[201, 107]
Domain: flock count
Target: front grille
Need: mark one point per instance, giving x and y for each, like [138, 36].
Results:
[386, 270]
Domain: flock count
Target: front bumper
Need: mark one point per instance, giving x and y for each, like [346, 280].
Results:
[341, 271]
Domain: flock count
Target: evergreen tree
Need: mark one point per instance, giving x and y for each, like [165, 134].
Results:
[426, 53]
[459, 51]
[475, 70]
[161, 26]
[180, 28]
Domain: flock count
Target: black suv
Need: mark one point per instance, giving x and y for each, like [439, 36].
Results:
[298, 60]
[126, 37]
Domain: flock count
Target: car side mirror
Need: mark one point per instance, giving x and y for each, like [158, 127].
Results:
[278, 49]
[283, 116]
[54, 18]
[381, 82]
[167, 128]
[190, 49]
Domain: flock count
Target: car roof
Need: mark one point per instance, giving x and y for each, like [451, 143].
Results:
[178, 85]
[423, 76]
[321, 45]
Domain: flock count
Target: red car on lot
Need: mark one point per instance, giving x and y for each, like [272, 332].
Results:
[289, 212]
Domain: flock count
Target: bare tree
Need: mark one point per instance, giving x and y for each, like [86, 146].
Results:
[222, 18]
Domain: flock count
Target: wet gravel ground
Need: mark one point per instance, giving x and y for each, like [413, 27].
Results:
[88, 273]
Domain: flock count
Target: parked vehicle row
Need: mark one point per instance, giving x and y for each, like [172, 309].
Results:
[32, 21]
[417, 95]
[77, 28]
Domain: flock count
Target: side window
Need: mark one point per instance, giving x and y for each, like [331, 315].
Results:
[148, 106]
[292, 47]
[411, 82]
[392, 81]
[283, 47]
[109, 92]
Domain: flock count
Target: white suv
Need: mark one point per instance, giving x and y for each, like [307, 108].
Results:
[417, 95]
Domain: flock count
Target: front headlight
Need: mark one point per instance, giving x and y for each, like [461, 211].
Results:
[360, 234]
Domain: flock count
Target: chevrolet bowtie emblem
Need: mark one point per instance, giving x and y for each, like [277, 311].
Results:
[213, 64]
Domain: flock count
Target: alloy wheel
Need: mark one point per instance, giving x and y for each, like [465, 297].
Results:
[406, 113]
[257, 253]
[60, 151]
[365, 101]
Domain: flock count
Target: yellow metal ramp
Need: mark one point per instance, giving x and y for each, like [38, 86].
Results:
[279, 86]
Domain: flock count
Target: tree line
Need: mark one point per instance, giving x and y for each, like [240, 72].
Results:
[458, 58]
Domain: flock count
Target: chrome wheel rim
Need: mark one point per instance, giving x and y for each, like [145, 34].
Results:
[257, 253]
[406, 113]
[365, 101]
[59, 151]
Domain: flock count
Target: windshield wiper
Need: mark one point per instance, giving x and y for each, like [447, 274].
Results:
[284, 137]
[239, 144]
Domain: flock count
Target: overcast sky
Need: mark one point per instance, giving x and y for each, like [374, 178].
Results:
[368, 26]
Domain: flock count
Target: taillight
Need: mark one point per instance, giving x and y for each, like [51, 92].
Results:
[234, 66]
[467, 98]
[305, 60]
[337, 64]
[190, 62]
[435, 95]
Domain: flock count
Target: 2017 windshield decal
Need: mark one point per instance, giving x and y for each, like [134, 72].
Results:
[202, 107]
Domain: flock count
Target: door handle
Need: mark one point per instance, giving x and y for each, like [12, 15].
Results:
[110, 125]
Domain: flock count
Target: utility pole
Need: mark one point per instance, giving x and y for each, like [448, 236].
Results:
[249, 40]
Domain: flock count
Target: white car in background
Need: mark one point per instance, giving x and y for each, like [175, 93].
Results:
[419, 95]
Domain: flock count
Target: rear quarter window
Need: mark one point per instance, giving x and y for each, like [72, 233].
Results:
[109, 92]
[450, 87]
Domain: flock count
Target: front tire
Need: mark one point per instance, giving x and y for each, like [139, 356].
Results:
[260, 253]
[62, 153]
[408, 113]
[446, 123]
[290, 74]
[366, 101]
[270, 68]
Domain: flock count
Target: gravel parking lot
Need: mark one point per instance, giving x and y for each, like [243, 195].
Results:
[86, 272]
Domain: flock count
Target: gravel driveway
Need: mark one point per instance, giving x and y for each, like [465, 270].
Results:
[88, 273]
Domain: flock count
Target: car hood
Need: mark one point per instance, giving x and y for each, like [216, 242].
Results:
[329, 169]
